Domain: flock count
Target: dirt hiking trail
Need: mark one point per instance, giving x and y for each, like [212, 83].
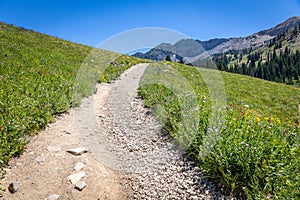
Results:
[126, 154]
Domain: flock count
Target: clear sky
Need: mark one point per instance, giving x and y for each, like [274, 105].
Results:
[91, 22]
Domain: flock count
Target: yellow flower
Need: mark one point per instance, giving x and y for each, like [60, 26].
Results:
[266, 118]
[257, 119]
[278, 121]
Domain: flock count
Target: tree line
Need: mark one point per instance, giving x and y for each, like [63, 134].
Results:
[278, 63]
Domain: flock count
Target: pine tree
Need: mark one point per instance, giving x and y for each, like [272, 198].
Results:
[168, 58]
[181, 60]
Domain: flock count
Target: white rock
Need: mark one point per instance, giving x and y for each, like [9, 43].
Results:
[77, 151]
[74, 178]
[53, 197]
[194, 197]
[86, 161]
[53, 149]
[40, 159]
[79, 166]
[80, 186]
[13, 187]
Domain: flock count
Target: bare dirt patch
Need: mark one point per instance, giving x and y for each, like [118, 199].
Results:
[45, 165]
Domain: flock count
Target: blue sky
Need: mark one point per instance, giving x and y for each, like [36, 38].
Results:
[91, 22]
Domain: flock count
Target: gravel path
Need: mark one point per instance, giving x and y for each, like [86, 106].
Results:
[126, 145]
[138, 146]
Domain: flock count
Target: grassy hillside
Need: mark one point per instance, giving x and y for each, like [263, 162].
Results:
[257, 148]
[41, 76]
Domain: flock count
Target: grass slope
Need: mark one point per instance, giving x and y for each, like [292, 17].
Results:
[41, 76]
[257, 149]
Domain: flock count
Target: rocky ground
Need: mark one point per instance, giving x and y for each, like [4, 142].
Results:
[129, 155]
[156, 168]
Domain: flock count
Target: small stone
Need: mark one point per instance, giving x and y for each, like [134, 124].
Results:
[7, 170]
[79, 166]
[53, 149]
[13, 187]
[77, 151]
[191, 192]
[86, 161]
[102, 115]
[67, 132]
[194, 197]
[197, 169]
[74, 178]
[185, 186]
[40, 159]
[53, 197]
[80, 186]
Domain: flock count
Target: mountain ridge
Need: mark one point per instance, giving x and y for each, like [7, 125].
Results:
[192, 50]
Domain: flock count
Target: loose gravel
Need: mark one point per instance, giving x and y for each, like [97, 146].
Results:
[154, 166]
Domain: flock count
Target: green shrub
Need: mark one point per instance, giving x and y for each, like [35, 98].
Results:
[257, 154]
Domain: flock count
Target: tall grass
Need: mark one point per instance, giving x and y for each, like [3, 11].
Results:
[257, 148]
[41, 76]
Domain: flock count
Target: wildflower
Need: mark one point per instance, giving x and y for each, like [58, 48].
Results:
[244, 143]
[278, 121]
[284, 133]
[242, 114]
[268, 196]
[257, 119]
[267, 179]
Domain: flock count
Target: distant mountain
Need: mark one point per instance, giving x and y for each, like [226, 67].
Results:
[183, 48]
[157, 54]
[280, 28]
[210, 44]
[277, 59]
[192, 50]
